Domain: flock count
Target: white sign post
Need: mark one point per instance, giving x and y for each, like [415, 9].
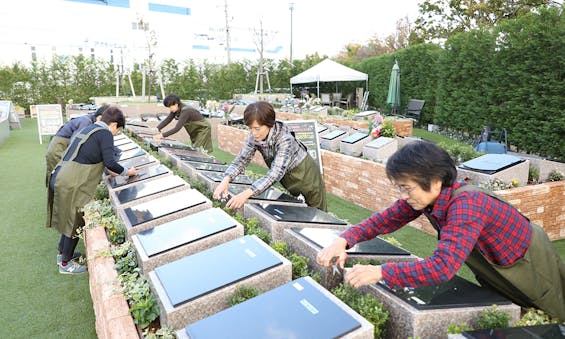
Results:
[49, 119]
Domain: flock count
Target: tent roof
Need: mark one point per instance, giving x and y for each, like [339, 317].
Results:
[328, 70]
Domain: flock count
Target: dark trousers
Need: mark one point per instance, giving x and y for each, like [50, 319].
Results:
[67, 246]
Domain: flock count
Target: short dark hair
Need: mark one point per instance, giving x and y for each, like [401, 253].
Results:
[114, 114]
[101, 110]
[171, 99]
[422, 161]
[260, 111]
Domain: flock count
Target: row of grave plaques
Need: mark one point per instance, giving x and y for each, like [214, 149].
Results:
[196, 256]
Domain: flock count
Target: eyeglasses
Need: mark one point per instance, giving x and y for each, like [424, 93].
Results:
[404, 189]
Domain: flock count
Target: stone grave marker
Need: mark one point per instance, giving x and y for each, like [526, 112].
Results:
[270, 195]
[127, 146]
[353, 144]
[212, 179]
[495, 166]
[145, 190]
[331, 141]
[307, 242]
[184, 236]
[132, 154]
[143, 174]
[427, 311]
[191, 168]
[299, 309]
[143, 216]
[140, 162]
[276, 218]
[380, 149]
[197, 286]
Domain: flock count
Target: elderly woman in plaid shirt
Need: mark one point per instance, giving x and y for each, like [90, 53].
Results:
[287, 158]
[505, 251]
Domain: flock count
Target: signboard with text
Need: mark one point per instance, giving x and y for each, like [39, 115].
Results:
[305, 131]
[49, 119]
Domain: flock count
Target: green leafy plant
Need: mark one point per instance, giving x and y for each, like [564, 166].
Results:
[101, 192]
[366, 305]
[243, 293]
[458, 328]
[251, 226]
[164, 332]
[281, 248]
[459, 152]
[535, 317]
[533, 174]
[299, 266]
[492, 317]
[555, 175]
[495, 185]
[143, 306]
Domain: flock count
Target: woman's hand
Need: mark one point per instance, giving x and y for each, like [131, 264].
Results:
[336, 249]
[158, 136]
[362, 275]
[131, 172]
[237, 201]
[221, 192]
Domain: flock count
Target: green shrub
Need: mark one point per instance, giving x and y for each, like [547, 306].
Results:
[243, 293]
[299, 266]
[458, 328]
[101, 192]
[555, 176]
[533, 174]
[281, 248]
[460, 152]
[492, 317]
[251, 226]
[535, 317]
[366, 305]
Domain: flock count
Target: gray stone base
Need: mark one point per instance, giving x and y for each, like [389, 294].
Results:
[328, 278]
[406, 321]
[216, 301]
[276, 228]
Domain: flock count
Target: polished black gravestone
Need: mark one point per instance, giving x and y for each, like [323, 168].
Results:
[332, 135]
[551, 331]
[455, 293]
[295, 310]
[323, 237]
[163, 206]
[199, 274]
[205, 166]
[354, 138]
[138, 161]
[491, 163]
[288, 213]
[321, 128]
[120, 136]
[172, 144]
[142, 174]
[145, 189]
[131, 154]
[200, 159]
[185, 230]
[270, 194]
[128, 146]
[219, 176]
[122, 141]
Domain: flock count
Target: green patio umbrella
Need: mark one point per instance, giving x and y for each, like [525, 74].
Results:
[393, 97]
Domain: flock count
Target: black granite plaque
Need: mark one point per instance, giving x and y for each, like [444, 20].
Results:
[163, 206]
[138, 161]
[321, 128]
[219, 176]
[332, 135]
[120, 136]
[457, 292]
[142, 174]
[175, 145]
[122, 141]
[128, 147]
[204, 272]
[206, 166]
[551, 331]
[295, 310]
[131, 154]
[269, 194]
[144, 189]
[200, 159]
[491, 163]
[184, 231]
[354, 138]
[323, 237]
[290, 213]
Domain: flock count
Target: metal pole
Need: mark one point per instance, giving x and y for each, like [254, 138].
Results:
[291, 7]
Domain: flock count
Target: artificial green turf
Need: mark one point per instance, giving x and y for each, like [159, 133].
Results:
[37, 301]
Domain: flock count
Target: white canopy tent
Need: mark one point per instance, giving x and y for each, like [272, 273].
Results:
[328, 71]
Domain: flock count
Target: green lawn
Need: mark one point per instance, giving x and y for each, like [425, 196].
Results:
[37, 301]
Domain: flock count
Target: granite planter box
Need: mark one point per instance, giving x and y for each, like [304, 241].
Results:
[353, 144]
[380, 148]
[199, 285]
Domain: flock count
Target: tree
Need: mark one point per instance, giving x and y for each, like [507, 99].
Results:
[440, 19]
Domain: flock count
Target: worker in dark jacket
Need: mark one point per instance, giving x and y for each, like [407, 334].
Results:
[198, 128]
[73, 182]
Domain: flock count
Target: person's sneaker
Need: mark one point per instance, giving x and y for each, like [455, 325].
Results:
[76, 255]
[72, 267]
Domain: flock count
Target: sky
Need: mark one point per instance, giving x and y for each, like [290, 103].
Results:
[318, 26]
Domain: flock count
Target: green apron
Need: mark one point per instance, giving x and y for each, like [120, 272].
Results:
[55, 150]
[536, 280]
[200, 133]
[75, 185]
[307, 180]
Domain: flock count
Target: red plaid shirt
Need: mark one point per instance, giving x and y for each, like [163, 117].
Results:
[470, 220]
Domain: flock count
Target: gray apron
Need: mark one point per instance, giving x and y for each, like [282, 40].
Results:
[200, 133]
[536, 280]
[74, 186]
